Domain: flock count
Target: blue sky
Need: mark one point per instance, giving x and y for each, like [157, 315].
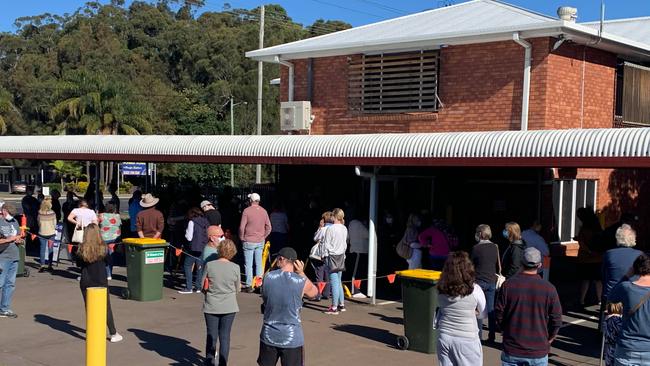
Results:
[356, 12]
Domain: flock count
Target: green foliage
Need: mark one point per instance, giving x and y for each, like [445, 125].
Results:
[151, 67]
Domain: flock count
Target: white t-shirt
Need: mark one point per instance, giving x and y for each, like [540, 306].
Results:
[84, 216]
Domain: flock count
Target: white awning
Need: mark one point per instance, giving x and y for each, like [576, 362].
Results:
[605, 148]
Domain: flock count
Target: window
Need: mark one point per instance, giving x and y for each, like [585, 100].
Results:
[568, 196]
[394, 82]
[633, 94]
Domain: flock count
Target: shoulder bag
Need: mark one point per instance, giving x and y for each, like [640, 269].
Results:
[78, 235]
[403, 248]
[335, 262]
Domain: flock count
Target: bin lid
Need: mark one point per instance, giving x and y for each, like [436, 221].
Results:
[421, 274]
[144, 241]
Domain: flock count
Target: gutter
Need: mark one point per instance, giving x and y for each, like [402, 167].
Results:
[290, 66]
[525, 98]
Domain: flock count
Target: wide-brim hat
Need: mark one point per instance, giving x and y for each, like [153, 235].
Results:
[148, 200]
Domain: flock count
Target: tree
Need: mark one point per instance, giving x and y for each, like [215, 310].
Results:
[67, 169]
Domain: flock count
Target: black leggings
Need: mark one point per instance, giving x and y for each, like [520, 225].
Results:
[218, 327]
[109, 316]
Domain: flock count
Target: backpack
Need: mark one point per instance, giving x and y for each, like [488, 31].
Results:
[403, 249]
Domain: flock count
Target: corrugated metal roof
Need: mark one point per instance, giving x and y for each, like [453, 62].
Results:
[470, 22]
[476, 16]
[636, 29]
[557, 148]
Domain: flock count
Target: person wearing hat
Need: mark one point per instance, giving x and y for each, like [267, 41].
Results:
[254, 227]
[149, 222]
[211, 213]
[282, 292]
[529, 313]
[9, 257]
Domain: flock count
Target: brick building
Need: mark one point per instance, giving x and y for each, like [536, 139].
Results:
[464, 68]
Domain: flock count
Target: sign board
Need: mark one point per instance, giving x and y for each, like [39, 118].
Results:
[154, 256]
[133, 168]
[46, 191]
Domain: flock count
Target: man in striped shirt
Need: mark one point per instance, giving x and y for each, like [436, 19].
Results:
[529, 313]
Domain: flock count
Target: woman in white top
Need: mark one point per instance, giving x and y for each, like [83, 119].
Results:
[82, 216]
[334, 245]
[460, 302]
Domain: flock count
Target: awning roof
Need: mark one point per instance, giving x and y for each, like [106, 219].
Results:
[603, 148]
[475, 21]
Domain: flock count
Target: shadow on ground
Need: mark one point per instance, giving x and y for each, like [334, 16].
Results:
[374, 334]
[176, 349]
[389, 319]
[61, 325]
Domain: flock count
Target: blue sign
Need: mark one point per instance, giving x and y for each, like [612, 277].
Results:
[134, 168]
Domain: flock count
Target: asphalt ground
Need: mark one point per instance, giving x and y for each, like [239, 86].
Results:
[50, 327]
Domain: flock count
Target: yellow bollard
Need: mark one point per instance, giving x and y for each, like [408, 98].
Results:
[96, 326]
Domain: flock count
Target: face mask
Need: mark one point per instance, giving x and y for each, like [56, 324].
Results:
[8, 217]
[505, 234]
[222, 238]
[389, 220]
[477, 237]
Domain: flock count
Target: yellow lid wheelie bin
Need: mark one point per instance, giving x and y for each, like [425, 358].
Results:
[419, 302]
[145, 258]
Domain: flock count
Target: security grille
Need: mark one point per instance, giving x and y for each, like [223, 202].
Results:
[394, 83]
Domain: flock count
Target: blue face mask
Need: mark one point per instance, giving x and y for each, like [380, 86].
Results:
[505, 234]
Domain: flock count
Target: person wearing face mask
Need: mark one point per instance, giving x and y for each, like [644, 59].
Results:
[485, 257]
[413, 224]
[9, 257]
[512, 257]
[211, 249]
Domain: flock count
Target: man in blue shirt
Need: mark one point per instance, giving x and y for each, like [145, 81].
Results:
[9, 258]
[533, 240]
[282, 291]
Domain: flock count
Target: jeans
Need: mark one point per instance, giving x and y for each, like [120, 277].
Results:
[9, 268]
[46, 251]
[507, 360]
[187, 266]
[252, 251]
[218, 329]
[489, 289]
[337, 288]
[631, 358]
[109, 258]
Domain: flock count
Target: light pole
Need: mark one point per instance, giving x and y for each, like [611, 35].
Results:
[232, 133]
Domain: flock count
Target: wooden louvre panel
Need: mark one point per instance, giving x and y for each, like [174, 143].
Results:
[636, 94]
[394, 82]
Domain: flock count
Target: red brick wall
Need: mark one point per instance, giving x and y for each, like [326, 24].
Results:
[481, 88]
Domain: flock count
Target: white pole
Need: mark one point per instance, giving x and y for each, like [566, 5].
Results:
[372, 241]
[232, 133]
[258, 171]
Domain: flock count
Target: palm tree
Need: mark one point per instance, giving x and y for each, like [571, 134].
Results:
[66, 169]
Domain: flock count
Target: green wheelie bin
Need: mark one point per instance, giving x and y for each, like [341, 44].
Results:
[419, 301]
[145, 258]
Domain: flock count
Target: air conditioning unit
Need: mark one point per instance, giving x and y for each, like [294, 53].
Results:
[295, 116]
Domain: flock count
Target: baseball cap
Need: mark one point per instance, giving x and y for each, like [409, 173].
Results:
[254, 197]
[532, 257]
[288, 253]
[205, 203]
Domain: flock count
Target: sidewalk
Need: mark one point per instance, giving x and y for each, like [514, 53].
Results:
[50, 330]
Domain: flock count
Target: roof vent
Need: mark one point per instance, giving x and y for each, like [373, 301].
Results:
[567, 13]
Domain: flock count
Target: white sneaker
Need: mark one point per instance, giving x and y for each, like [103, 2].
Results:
[116, 338]
[186, 291]
[109, 278]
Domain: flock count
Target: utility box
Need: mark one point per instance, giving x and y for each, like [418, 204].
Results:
[295, 116]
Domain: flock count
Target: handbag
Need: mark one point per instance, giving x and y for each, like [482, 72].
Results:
[336, 262]
[403, 249]
[500, 278]
[315, 252]
[78, 235]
